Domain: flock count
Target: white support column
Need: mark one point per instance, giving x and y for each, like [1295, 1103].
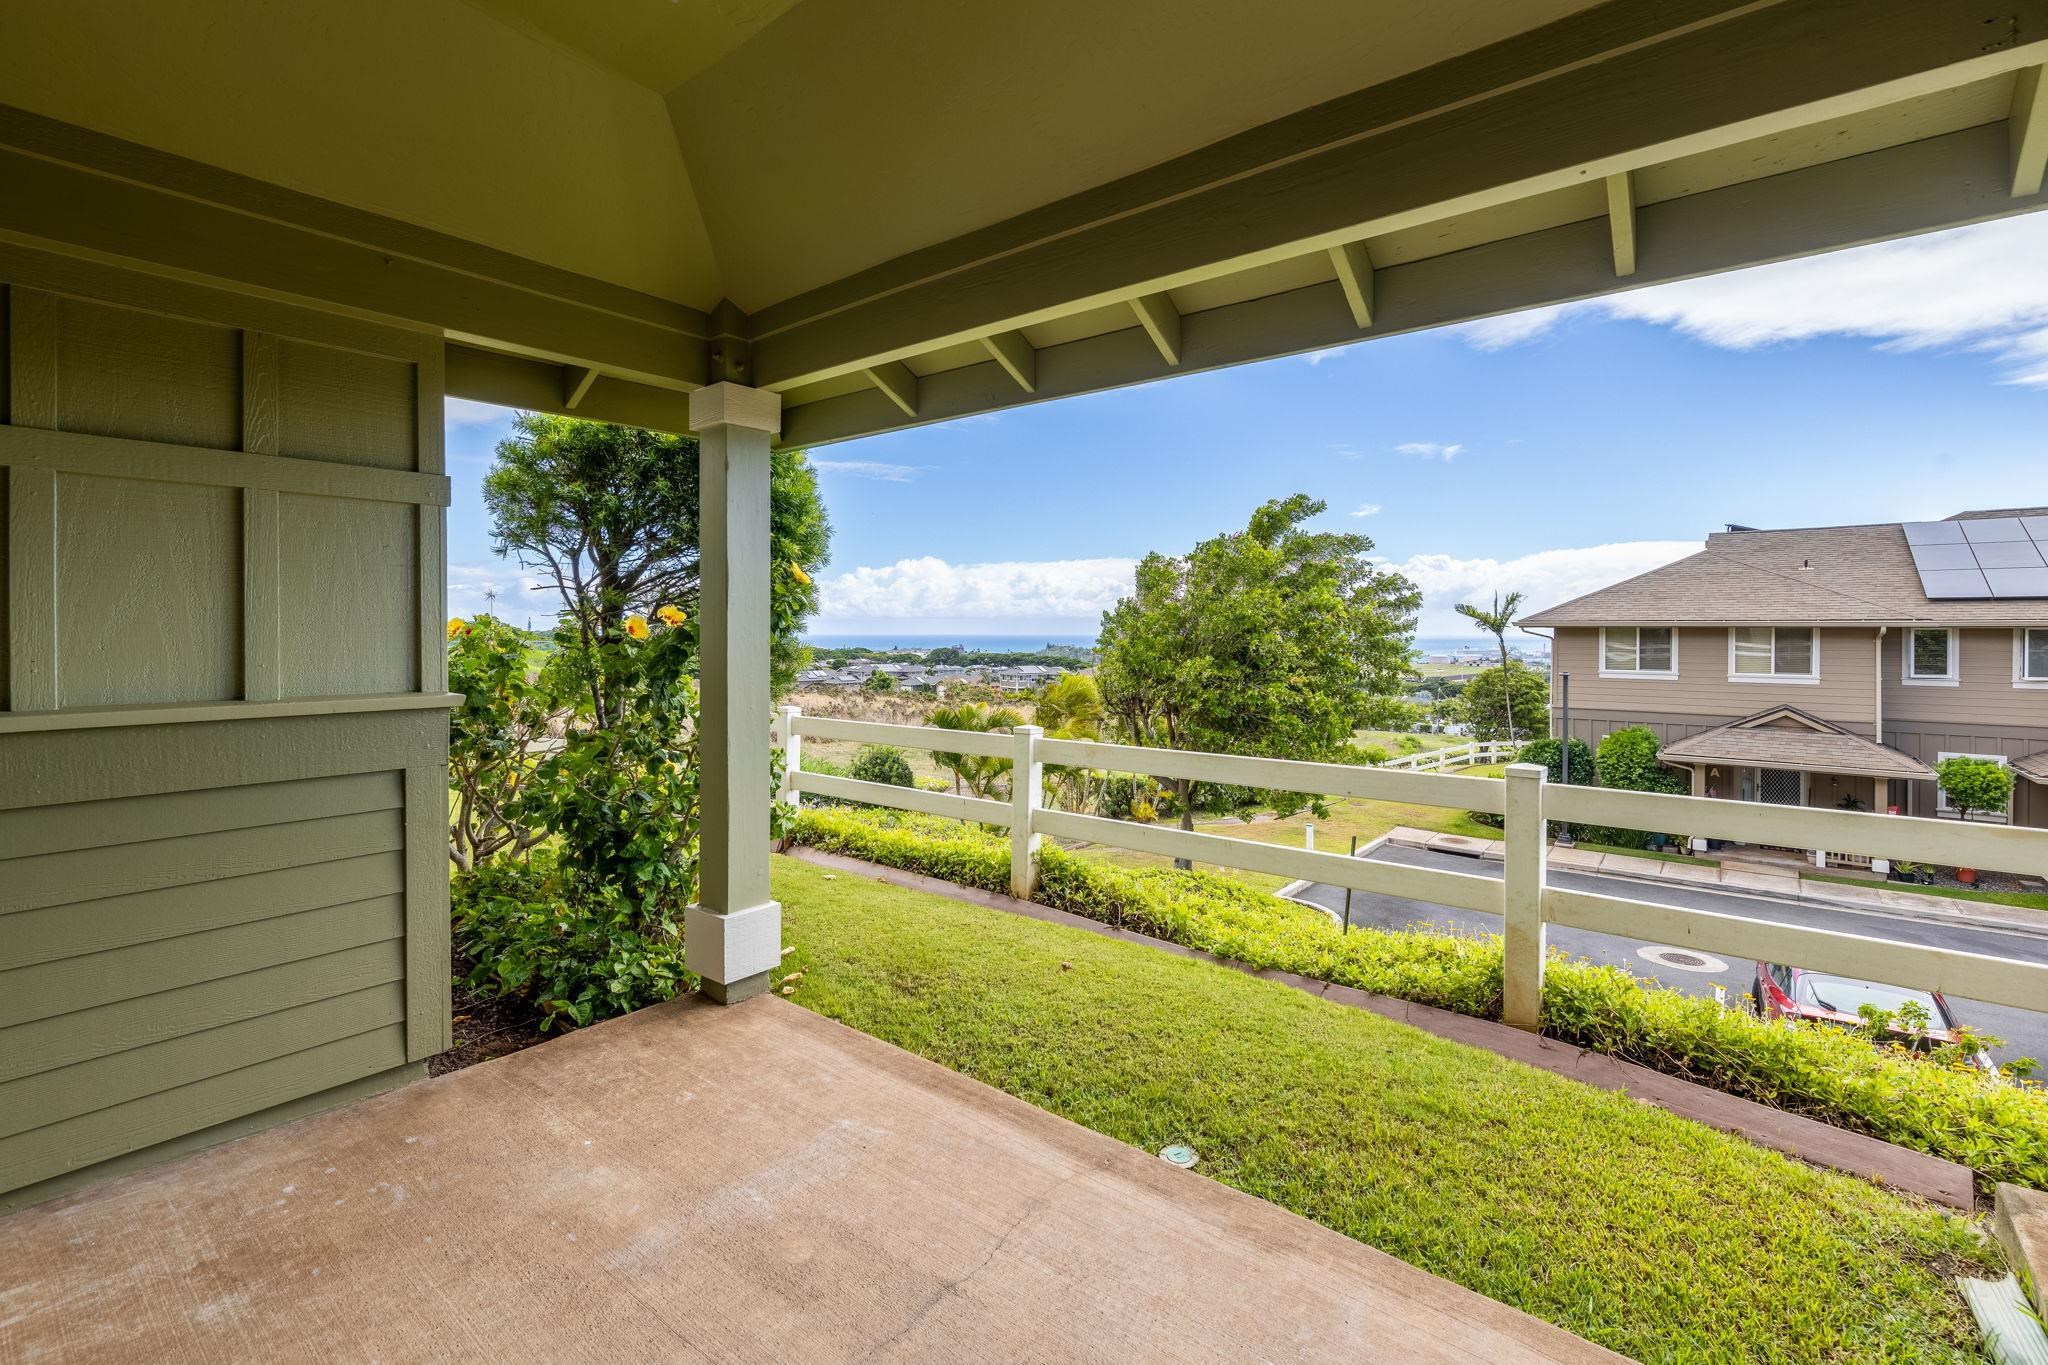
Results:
[1527, 854]
[792, 758]
[1027, 794]
[733, 936]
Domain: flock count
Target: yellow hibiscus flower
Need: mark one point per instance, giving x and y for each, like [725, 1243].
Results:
[455, 626]
[671, 616]
[636, 626]
[796, 571]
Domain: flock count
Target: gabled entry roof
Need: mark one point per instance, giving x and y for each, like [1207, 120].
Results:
[1787, 737]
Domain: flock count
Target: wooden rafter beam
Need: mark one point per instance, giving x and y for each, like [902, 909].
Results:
[1011, 351]
[895, 379]
[1924, 186]
[576, 382]
[2027, 130]
[1354, 275]
[1621, 221]
[1161, 321]
[69, 190]
[1609, 88]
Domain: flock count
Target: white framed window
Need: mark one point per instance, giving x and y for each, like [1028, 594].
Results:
[1780, 654]
[2030, 657]
[1941, 805]
[1638, 652]
[1930, 656]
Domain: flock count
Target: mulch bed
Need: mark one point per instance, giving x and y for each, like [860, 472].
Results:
[485, 1028]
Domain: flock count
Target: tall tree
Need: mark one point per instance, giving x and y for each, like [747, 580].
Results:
[1267, 641]
[608, 515]
[1497, 623]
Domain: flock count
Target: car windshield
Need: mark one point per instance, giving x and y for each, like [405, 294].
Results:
[1846, 996]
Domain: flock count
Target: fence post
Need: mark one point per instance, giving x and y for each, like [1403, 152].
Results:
[1522, 967]
[1027, 794]
[792, 759]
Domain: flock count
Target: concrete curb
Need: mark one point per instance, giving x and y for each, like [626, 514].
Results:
[1809, 1140]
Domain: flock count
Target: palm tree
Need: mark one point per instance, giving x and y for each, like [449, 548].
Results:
[1497, 623]
[1070, 707]
[978, 771]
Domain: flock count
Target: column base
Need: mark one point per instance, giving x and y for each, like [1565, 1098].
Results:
[732, 992]
[733, 952]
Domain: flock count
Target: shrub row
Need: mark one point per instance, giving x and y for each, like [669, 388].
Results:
[1998, 1129]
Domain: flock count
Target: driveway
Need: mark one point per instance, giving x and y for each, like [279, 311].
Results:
[2025, 1031]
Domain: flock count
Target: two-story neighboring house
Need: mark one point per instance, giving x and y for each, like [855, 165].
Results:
[1827, 666]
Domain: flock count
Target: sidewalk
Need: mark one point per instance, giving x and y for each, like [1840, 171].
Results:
[1749, 879]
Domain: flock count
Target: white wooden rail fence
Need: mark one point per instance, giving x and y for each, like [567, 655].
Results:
[1523, 897]
[1468, 755]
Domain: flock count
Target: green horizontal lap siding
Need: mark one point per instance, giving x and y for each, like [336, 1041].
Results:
[204, 920]
[48, 1044]
[165, 958]
[86, 1139]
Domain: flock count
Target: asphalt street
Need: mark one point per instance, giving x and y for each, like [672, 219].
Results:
[2025, 1031]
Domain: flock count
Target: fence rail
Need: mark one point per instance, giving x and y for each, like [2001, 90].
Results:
[1522, 896]
[1469, 755]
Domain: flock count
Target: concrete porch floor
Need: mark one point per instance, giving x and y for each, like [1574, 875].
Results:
[697, 1183]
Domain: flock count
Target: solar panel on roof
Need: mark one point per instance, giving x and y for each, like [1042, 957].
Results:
[1980, 558]
[1953, 583]
[1933, 532]
[1984, 529]
[2017, 582]
[1943, 557]
[2008, 554]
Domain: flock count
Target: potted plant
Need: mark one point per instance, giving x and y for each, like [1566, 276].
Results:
[1973, 784]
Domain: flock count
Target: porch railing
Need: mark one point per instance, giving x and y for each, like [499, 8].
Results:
[1468, 755]
[1524, 899]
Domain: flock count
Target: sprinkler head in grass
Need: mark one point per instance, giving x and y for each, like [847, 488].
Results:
[1178, 1155]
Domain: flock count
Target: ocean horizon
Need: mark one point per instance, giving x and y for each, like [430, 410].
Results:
[987, 644]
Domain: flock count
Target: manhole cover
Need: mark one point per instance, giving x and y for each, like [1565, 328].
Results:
[1681, 959]
[1177, 1155]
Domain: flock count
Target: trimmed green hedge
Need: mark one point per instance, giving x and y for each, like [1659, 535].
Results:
[1998, 1129]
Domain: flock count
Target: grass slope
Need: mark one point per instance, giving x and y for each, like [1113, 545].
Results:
[1652, 1235]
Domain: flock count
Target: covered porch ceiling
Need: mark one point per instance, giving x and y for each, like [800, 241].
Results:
[903, 211]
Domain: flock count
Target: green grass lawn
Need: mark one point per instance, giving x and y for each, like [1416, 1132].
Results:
[1647, 1233]
[2025, 900]
[1393, 741]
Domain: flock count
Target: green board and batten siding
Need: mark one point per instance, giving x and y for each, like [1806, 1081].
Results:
[223, 737]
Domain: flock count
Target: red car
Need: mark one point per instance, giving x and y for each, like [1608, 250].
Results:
[1819, 998]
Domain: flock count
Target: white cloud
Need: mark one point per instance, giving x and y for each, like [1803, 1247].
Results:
[1318, 357]
[1366, 509]
[1984, 287]
[520, 598]
[869, 469]
[465, 412]
[929, 588]
[1430, 450]
[1546, 578]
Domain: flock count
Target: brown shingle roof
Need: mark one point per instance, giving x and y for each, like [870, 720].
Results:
[1785, 737]
[1823, 575]
[2034, 767]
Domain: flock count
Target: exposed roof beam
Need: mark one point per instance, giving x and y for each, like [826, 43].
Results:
[1011, 351]
[895, 379]
[1609, 89]
[2027, 130]
[1161, 321]
[80, 193]
[1621, 221]
[1935, 183]
[1354, 275]
[576, 382]
[539, 386]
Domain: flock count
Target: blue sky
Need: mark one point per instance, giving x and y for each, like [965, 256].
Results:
[1553, 452]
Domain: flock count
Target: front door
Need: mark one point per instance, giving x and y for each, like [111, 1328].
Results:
[1780, 787]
